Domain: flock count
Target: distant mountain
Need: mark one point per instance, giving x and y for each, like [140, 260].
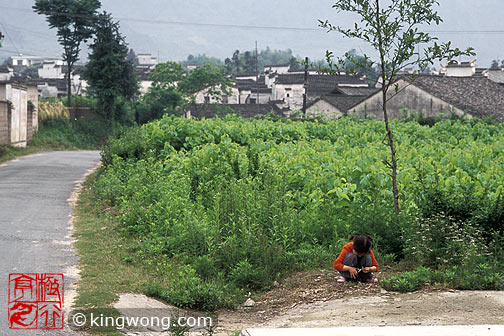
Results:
[146, 25]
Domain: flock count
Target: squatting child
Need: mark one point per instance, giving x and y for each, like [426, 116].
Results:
[356, 260]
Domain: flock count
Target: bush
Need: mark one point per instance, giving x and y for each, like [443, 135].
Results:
[407, 281]
[441, 240]
[187, 290]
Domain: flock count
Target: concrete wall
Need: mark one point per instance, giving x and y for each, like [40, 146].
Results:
[323, 109]
[264, 98]
[19, 118]
[409, 96]
[18, 124]
[33, 97]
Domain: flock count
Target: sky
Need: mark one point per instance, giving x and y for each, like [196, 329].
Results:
[172, 29]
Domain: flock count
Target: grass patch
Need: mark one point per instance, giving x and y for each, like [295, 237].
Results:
[8, 153]
[107, 267]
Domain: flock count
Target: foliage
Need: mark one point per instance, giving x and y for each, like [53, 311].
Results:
[441, 240]
[75, 101]
[240, 203]
[393, 32]
[479, 276]
[174, 87]
[201, 59]
[74, 20]
[61, 133]
[31, 71]
[246, 62]
[109, 72]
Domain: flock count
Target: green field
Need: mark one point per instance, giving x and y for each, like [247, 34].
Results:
[224, 206]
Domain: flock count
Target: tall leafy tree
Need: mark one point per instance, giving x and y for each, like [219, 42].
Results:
[392, 28]
[74, 21]
[109, 72]
[174, 87]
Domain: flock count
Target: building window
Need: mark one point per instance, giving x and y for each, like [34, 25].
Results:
[207, 99]
[288, 95]
[252, 100]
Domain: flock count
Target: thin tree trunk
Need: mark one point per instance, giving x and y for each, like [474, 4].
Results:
[390, 143]
[385, 86]
[69, 84]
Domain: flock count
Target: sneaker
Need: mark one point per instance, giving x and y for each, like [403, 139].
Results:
[373, 280]
[341, 279]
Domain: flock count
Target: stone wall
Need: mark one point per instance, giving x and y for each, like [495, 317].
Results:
[85, 113]
[4, 123]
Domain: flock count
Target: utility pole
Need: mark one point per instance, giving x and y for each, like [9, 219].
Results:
[305, 86]
[257, 76]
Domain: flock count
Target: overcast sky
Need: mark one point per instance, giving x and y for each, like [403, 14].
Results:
[174, 29]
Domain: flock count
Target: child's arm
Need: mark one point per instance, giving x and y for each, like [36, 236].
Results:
[374, 263]
[338, 263]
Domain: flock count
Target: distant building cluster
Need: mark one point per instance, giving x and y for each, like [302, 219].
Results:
[459, 87]
[49, 74]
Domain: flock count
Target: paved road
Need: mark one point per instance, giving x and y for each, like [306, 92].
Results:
[478, 330]
[34, 218]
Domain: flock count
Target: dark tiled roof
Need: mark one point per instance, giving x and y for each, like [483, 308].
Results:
[277, 65]
[246, 74]
[244, 110]
[302, 70]
[260, 89]
[341, 102]
[319, 80]
[355, 91]
[478, 95]
[250, 84]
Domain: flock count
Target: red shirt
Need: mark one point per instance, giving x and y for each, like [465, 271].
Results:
[338, 263]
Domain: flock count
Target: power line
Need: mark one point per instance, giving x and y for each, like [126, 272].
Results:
[219, 25]
[9, 37]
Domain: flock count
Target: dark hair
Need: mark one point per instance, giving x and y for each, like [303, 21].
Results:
[361, 244]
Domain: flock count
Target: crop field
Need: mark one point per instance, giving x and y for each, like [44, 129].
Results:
[226, 206]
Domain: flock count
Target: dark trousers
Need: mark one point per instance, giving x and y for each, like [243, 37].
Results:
[357, 262]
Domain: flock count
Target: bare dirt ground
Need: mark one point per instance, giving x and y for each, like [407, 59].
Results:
[315, 300]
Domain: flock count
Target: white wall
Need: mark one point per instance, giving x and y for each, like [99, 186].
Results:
[293, 98]
[18, 96]
[232, 98]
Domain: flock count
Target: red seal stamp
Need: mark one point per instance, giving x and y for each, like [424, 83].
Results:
[36, 301]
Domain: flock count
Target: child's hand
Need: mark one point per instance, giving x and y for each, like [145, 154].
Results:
[366, 269]
[353, 272]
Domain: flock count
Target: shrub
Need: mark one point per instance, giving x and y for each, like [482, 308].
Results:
[441, 240]
[407, 281]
